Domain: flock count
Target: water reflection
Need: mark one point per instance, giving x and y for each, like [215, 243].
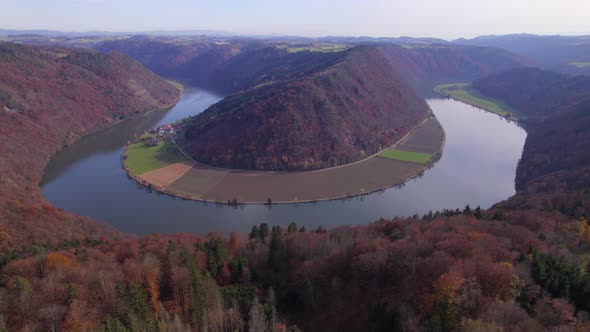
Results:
[477, 168]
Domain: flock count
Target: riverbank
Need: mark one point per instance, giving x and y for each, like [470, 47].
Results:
[191, 180]
[464, 93]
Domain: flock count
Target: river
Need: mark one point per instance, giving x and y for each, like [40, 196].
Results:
[478, 168]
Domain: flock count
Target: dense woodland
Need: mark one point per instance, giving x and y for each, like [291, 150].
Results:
[555, 52]
[49, 97]
[238, 64]
[520, 265]
[558, 107]
[341, 113]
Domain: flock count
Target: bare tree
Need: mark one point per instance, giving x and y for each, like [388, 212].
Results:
[257, 321]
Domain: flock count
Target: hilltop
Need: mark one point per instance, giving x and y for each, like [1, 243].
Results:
[50, 97]
[232, 65]
[342, 112]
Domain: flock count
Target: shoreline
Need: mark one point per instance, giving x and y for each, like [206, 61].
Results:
[515, 116]
[99, 129]
[417, 172]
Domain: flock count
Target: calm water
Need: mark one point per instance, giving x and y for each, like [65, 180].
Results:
[477, 168]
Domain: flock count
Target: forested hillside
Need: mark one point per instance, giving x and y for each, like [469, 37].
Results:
[568, 54]
[426, 66]
[341, 113]
[521, 265]
[535, 92]
[559, 109]
[226, 67]
[239, 64]
[49, 97]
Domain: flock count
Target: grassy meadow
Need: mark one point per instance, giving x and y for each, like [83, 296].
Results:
[415, 157]
[464, 93]
[142, 159]
[294, 48]
[581, 65]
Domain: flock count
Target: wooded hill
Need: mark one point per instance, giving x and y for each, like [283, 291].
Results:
[521, 265]
[339, 113]
[50, 97]
[238, 64]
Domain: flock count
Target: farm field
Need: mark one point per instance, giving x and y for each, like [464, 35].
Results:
[464, 93]
[580, 65]
[415, 157]
[141, 158]
[205, 183]
[294, 48]
[428, 141]
[166, 175]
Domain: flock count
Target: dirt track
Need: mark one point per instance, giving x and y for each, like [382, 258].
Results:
[218, 185]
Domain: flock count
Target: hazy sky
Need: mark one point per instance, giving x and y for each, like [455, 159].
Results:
[436, 18]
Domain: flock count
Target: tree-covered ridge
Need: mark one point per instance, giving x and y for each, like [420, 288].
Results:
[238, 64]
[49, 97]
[555, 156]
[535, 92]
[520, 265]
[449, 270]
[335, 115]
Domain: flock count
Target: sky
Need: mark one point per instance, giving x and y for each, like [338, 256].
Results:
[446, 19]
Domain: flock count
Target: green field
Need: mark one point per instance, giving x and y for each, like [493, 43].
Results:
[415, 157]
[464, 93]
[580, 65]
[142, 159]
[294, 48]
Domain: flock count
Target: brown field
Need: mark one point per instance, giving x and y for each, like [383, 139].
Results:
[427, 139]
[356, 179]
[218, 185]
[197, 181]
[166, 175]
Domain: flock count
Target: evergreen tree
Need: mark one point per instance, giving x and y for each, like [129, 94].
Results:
[467, 210]
[292, 228]
[254, 233]
[478, 213]
[264, 230]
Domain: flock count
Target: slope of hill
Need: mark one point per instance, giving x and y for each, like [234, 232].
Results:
[330, 115]
[234, 65]
[427, 66]
[535, 92]
[221, 66]
[559, 110]
[518, 266]
[49, 97]
[560, 53]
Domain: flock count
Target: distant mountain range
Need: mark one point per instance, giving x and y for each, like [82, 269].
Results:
[54, 33]
[570, 54]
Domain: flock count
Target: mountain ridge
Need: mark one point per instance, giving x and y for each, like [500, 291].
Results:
[340, 113]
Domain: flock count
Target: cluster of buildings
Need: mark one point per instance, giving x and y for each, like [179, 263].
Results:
[166, 130]
[162, 132]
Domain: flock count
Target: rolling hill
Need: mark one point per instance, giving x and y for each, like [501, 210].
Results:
[50, 97]
[559, 109]
[238, 64]
[568, 54]
[334, 114]
[517, 266]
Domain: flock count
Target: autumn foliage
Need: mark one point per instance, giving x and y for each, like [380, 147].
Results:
[50, 97]
[519, 266]
[340, 113]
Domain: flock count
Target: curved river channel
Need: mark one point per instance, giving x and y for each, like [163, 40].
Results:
[477, 167]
